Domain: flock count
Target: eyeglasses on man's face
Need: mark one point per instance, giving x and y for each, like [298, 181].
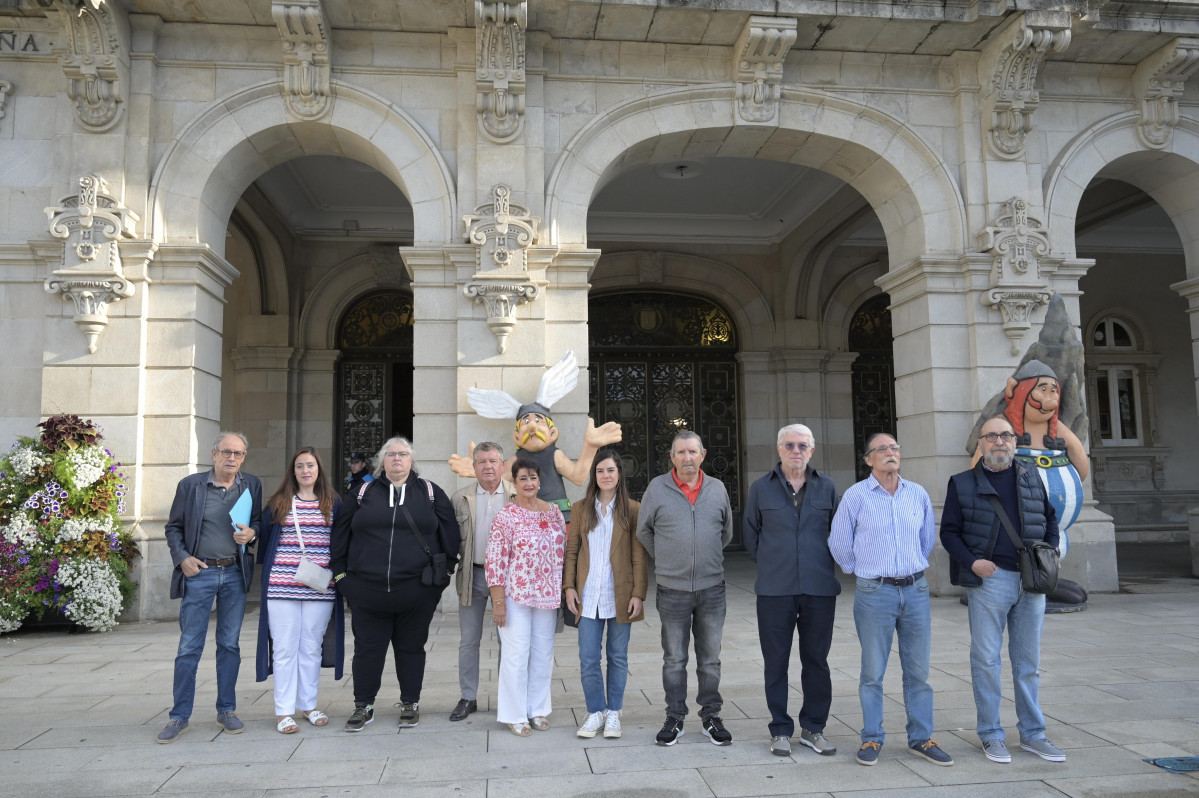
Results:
[792, 446]
[892, 448]
[1006, 437]
[227, 453]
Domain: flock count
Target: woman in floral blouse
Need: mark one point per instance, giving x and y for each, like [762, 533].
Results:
[524, 572]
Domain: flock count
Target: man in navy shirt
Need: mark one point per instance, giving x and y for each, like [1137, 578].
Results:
[983, 560]
[786, 528]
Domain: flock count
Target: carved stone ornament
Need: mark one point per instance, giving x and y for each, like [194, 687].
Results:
[1017, 242]
[1008, 73]
[306, 51]
[758, 66]
[500, 68]
[5, 89]
[1158, 82]
[94, 60]
[502, 234]
[92, 224]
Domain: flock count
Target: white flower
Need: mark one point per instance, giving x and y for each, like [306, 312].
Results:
[89, 463]
[95, 598]
[21, 531]
[25, 461]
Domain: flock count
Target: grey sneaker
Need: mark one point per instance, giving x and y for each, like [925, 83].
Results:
[780, 745]
[996, 751]
[230, 722]
[1044, 749]
[817, 742]
[362, 715]
[409, 714]
[612, 724]
[172, 731]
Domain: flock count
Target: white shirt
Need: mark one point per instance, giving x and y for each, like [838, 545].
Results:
[486, 506]
[599, 594]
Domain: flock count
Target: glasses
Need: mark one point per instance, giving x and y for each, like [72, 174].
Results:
[227, 453]
[1006, 437]
[893, 449]
[791, 446]
[397, 455]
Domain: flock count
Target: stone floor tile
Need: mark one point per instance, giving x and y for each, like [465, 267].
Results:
[971, 767]
[127, 781]
[833, 774]
[216, 779]
[642, 784]
[535, 761]
[448, 789]
[15, 736]
[1146, 786]
[1140, 731]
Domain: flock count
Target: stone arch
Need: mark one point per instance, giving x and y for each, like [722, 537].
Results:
[844, 300]
[1112, 149]
[207, 168]
[806, 289]
[339, 289]
[719, 282]
[899, 174]
[270, 284]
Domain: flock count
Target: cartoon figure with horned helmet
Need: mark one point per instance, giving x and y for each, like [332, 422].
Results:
[536, 435]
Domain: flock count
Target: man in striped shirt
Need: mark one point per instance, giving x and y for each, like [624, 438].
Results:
[883, 532]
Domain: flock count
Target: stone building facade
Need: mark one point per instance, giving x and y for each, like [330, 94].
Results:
[321, 221]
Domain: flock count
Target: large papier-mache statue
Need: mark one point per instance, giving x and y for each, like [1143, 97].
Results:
[1043, 401]
[536, 435]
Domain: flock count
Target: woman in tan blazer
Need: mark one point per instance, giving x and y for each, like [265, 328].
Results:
[605, 581]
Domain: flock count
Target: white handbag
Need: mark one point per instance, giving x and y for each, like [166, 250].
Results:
[307, 572]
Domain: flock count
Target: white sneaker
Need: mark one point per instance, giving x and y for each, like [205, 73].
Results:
[612, 726]
[594, 722]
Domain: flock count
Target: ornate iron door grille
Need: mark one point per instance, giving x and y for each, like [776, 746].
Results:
[660, 363]
[374, 397]
[872, 375]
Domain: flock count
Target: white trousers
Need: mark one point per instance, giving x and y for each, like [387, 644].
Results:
[526, 663]
[297, 629]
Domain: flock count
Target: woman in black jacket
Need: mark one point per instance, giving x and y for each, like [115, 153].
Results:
[392, 576]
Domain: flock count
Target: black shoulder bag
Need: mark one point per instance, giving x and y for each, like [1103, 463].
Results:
[436, 573]
[1038, 563]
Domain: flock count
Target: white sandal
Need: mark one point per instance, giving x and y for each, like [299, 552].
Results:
[317, 718]
[288, 725]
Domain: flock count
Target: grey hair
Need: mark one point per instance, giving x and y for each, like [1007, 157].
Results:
[216, 444]
[795, 429]
[489, 446]
[870, 441]
[382, 455]
[683, 435]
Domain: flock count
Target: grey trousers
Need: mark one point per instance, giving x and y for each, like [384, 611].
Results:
[470, 624]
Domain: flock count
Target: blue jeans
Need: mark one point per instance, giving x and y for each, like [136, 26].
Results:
[999, 601]
[591, 632]
[879, 611]
[226, 588]
[680, 612]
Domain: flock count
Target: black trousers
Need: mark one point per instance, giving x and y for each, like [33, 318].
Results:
[779, 617]
[400, 619]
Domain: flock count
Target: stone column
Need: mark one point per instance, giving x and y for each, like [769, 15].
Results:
[181, 400]
[259, 384]
[312, 404]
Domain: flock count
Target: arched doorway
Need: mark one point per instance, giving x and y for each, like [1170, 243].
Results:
[374, 374]
[872, 375]
[661, 362]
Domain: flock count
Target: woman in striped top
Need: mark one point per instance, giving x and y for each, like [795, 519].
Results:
[294, 618]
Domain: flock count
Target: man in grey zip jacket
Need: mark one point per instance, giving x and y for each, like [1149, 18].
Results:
[685, 522]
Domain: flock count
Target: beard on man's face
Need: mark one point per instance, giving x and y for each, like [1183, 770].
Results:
[999, 460]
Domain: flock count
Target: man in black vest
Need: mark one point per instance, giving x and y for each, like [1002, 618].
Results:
[983, 560]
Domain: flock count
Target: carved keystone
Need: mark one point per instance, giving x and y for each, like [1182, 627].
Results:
[94, 60]
[306, 51]
[1158, 83]
[500, 68]
[758, 66]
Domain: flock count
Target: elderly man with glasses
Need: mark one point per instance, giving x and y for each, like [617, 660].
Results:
[211, 566]
[786, 527]
[983, 559]
[883, 532]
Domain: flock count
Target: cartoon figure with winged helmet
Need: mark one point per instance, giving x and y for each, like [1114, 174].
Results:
[536, 435]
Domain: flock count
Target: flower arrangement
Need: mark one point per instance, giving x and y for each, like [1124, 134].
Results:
[63, 548]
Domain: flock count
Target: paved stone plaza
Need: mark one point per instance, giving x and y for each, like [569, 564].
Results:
[1120, 683]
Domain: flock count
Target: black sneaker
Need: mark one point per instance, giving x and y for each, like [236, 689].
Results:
[672, 730]
[362, 715]
[409, 714]
[715, 731]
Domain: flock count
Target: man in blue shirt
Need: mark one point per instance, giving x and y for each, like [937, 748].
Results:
[983, 559]
[786, 527]
[883, 532]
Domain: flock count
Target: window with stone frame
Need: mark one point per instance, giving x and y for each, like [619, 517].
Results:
[1120, 376]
